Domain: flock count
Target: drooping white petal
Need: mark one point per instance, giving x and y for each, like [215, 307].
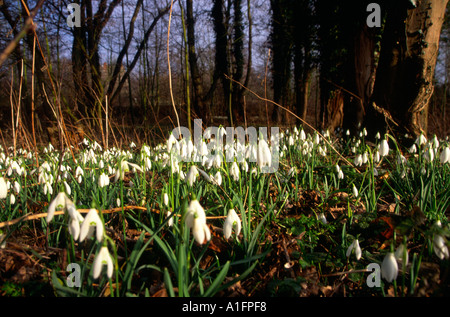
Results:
[92, 221]
[103, 258]
[389, 267]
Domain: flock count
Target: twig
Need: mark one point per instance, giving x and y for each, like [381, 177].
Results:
[85, 211]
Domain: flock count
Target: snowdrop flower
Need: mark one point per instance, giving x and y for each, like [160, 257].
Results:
[421, 140]
[79, 174]
[196, 220]
[125, 167]
[166, 199]
[170, 222]
[103, 258]
[218, 178]
[429, 154]
[91, 221]
[67, 187]
[322, 218]
[192, 175]
[3, 188]
[234, 171]
[358, 160]
[2, 240]
[217, 160]
[413, 149]
[16, 187]
[76, 219]
[401, 254]
[355, 191]
[444, 157]
[383, 148]
[302, 135]
[171, 142]
[12, 199]
[354, 246]
[147, 163]
[439, 246]
[232, 221]
[48, 189]
[103, 180]
[264, 156]
[376, 156]
[61, 201]
[389, 267]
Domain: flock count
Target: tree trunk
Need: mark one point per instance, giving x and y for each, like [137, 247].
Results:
[404, 80]
[197, 87]
[282, 54]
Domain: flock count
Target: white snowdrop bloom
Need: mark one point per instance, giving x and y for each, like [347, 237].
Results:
[79, 171]
[147, 164]
[170, 222]
[196, 220]
[389, 267]
[16, 187]
[435, 142]
[90, 223]
[264, 157]
[234, 171]
[166, 199]
[412, 149]
[102, 258]
[401, 254]
[60, 202]
[421, 140]
[383, 148]
[354, 246]
[231, 221]
[340, 174]
[67, 187]
[192, 175]
[401, 159]
[355, 191]
[302, 135]
[12, 199]
[376, 156]
[217, 160]
[377, 136]
[322, 218]
[3, 188]
[76, 219]
[103, 180]
[124, 167]
[365, 158]
[171, 141]
[291, 140]
[444, 157]
[358, 160]
[47, 188]
[218, 178]
[429, 154]
[439, 245]
[316, 138]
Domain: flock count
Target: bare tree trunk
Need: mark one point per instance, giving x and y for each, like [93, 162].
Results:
[197, 86]
[404, 80]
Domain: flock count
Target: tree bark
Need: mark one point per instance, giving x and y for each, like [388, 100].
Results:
[404, 79]
[197, 86]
